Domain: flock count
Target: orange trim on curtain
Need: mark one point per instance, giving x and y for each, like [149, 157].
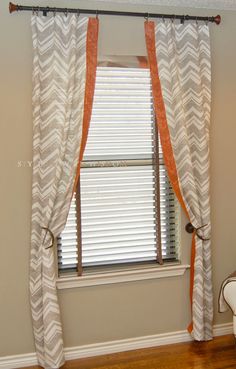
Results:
[160, 112]
[91, 66]
[161, 120]
[193, 248]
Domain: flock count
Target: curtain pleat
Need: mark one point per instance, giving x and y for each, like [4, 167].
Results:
[60, 49]
[180, 64]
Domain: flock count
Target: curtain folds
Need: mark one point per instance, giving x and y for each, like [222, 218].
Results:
[64, 67]
[179, 59]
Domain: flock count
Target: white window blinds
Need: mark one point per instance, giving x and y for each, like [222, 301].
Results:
[127, 205]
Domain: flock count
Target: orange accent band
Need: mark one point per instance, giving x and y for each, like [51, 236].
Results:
[193, 252]
[161, 112]
[190, 328]
[161, 120]
[91, 66]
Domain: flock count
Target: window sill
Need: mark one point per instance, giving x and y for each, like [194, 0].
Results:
[128, 275]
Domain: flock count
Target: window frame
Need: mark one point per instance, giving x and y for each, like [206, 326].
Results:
[126, 270]
[143, 273]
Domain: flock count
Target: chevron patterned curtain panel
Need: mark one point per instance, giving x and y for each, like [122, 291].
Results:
[180, 63]
[60, 88]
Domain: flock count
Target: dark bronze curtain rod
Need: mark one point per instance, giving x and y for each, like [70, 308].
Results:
[47, 9]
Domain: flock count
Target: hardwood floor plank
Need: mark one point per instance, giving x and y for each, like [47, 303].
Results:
[217, 354]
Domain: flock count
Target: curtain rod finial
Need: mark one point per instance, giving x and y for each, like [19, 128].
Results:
[217, 19]
[12, 7]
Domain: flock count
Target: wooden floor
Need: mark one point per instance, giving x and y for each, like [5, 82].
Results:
[217, 354]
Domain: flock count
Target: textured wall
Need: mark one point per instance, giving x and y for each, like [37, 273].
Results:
[119, 311]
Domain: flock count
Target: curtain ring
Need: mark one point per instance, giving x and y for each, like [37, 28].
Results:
[163, 19]
[173, 18]
[78, 13]
[199, 236]
[146, 16]
[97, 14]
[51, 235]
[54, 12]
[66, 12]
[197, 21]
[45, 12]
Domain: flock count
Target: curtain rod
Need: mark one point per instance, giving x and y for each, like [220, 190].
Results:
[47, 9]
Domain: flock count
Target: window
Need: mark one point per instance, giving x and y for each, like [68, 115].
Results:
[124, 211]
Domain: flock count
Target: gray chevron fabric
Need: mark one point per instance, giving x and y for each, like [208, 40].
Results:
[59, 72]
[183, 57]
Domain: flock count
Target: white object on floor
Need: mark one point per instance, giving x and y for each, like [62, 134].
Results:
[227, 298]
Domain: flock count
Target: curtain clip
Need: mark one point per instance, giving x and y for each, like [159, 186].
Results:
[45, 11]
[146, 16]
[191, 229]
[51, 235]
[97, 14]
[66, 12]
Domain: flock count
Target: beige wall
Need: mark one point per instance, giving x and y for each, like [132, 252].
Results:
[102, 313]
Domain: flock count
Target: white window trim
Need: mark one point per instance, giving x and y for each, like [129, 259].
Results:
[121, 276]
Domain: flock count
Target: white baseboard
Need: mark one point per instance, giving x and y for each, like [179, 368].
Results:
[222, 329]
[71, 353]
[18, 361]
[126, 345]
